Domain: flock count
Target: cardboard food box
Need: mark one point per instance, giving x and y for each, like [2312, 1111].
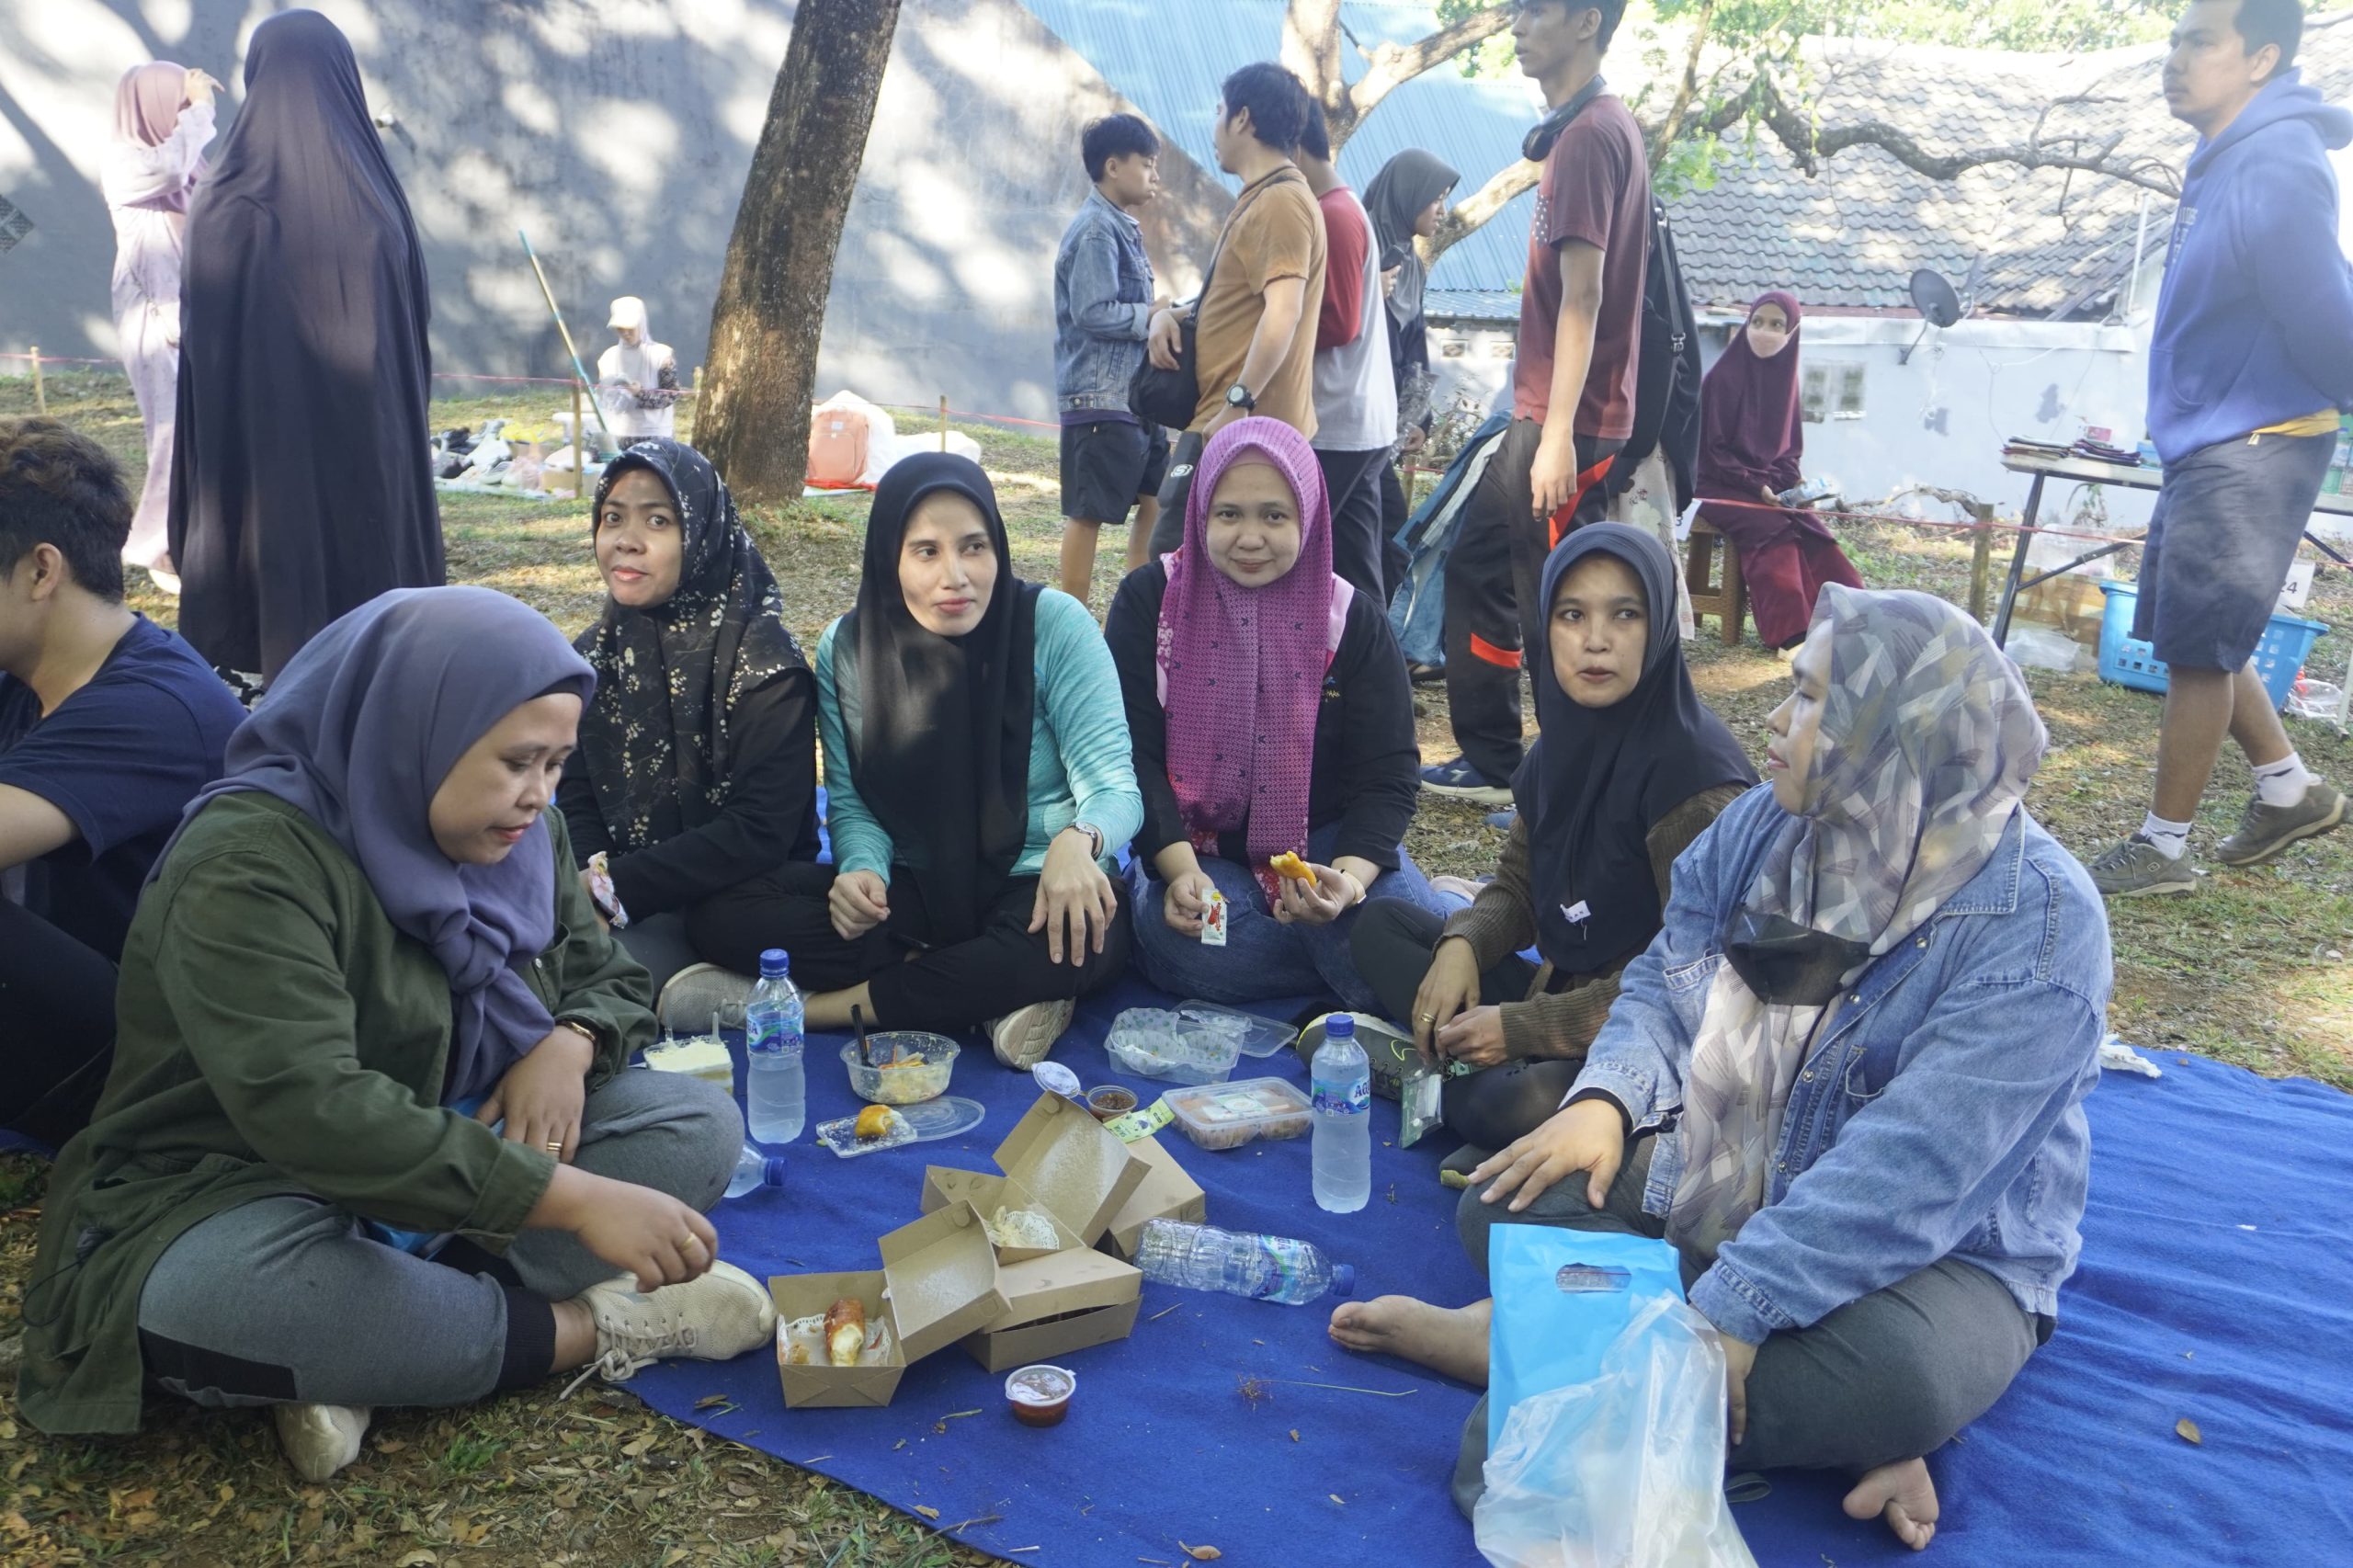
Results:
[1165, 1193]
[1062, 1302]
[1059, 1160]
[938, 1282]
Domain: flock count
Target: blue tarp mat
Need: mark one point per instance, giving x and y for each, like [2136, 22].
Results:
[2217, 1286]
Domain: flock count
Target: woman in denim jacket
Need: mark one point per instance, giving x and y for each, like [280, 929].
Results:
[1846, 1079]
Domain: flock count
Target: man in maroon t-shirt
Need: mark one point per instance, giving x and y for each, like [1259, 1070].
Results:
[1572, 389]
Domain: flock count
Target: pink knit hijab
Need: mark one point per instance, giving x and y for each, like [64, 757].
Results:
[147, 103]
[1241, 669]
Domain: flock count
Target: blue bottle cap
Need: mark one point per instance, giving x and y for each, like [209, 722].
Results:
[1340, 1026]
[774, 962]
[772, 1170]
[1344, 1280]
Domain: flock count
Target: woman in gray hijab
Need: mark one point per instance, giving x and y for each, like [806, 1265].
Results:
[1406, 201]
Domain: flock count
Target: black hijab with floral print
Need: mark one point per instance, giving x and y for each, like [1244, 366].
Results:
[671, 677]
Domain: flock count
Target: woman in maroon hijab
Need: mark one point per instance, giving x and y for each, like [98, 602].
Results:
[1752, 446]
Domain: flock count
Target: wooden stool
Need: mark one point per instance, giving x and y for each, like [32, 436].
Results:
[1728, 603]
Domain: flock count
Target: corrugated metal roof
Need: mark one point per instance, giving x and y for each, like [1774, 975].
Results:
[1170, 69]
[1496, 305]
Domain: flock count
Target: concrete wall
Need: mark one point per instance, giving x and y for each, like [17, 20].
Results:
[619, 132]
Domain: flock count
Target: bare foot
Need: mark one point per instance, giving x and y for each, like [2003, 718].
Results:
[1452, 1340]
[1903, 1494]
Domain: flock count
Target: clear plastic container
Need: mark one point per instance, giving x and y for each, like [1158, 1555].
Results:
[919, 1067]
[1175, 1048]
[933, 1120]
[1260, 1036]
[1227, 1116]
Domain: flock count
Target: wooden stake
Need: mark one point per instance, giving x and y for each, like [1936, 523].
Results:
[1980, 564]
[40, 393]
[579, 444]
[943, 418]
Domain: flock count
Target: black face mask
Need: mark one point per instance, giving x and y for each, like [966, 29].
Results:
[1548, 129]
[1789, 965]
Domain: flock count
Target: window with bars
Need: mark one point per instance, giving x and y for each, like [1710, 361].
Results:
[1832, 391]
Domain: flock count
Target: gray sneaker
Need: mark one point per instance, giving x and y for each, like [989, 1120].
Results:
[2266, 830]
[2136, 869]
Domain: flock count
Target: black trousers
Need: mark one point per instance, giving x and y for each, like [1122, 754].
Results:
[1352, 482]
[917, 984]
[784, 908]
[1394, 950]
[1492, 578]
[56, 1027]
[1394, 516]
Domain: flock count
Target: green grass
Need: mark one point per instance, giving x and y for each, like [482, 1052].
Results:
[2252, 970]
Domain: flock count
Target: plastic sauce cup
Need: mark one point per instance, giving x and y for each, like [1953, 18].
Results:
[1109, 1101]
[1041, 1395]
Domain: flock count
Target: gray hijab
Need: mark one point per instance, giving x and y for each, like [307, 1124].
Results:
[358, 732]
[1406, 184]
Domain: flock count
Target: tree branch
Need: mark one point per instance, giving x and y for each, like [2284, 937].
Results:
[1687, 88]
[1468, 214]
[1392, 66]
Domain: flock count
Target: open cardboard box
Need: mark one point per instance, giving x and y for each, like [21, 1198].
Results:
[938, 1282]
[1165, 1193]
[1059, 1160]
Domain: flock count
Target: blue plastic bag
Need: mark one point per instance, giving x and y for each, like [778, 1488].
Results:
[1562, 1299]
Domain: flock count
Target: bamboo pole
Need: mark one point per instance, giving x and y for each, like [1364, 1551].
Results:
[579, 446]
[40, 393]
[943, 420]
[569, 346]
[1980, 563]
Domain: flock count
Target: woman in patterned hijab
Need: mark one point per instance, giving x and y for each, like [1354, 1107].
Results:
[697, 763]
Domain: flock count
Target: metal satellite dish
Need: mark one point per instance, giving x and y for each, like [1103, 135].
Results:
[1938, 302]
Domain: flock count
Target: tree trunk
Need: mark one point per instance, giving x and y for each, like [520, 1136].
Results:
[752, 419]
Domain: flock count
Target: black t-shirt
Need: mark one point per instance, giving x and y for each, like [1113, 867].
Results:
[122, 758]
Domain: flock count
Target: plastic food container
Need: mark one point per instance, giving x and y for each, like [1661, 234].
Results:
[1041, 1395]
[1227, 1116]
[1260, 1036]
[1152, 1043]
[1110, 1100]
[922, 1064]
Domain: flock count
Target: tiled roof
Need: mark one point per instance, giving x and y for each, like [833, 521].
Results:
[2049, 242]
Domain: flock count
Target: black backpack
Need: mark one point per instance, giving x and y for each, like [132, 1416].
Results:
[1667, 384]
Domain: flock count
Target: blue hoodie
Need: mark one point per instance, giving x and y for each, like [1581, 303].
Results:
[2255, 322]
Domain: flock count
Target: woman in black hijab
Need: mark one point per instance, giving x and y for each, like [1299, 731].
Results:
[692, 798]
[1630, 767]
[978, 777]
[299, 488]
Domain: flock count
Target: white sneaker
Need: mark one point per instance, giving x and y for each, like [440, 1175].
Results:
[320, 1439]
[715, 1318]
[1023, 1036]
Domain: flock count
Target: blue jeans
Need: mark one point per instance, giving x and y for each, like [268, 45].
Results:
[1263, 958]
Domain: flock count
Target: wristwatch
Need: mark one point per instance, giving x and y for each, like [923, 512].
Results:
[1093, 837]
[1238, 396]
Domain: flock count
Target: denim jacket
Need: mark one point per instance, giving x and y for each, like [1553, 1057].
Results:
[1941, 1114]
[1102, 308]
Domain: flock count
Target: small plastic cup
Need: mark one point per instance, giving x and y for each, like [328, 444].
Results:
[1110, 1101]
[1041, 1395]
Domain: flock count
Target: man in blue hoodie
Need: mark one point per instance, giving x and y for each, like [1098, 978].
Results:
[2251, 359]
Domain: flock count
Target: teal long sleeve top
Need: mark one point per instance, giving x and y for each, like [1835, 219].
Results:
[1082, 767]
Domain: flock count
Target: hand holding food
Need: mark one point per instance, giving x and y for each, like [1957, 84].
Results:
[1289, 866]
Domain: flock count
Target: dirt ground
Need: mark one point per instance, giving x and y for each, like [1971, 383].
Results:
[2253, 970]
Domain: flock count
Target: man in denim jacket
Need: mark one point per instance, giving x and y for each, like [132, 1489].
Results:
[1846, 1079]
[1103, 306]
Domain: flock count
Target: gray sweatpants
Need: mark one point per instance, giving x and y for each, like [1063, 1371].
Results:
[1890, 1376]
[288, 1298]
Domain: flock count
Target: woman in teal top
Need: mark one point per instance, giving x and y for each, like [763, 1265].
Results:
[977, 773]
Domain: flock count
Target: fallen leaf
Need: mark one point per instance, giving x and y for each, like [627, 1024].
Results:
[1337, 1499]
[390, 1446]
[1294, 1434]
[927, 1512]
[897, 1446]
[420, 1558]
[2187, 1430]
[1202, 1553]
[711, 1401]
[676, 1554]
[635, 1450]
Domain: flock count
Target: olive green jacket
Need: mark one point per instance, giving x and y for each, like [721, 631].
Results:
[276, 1034]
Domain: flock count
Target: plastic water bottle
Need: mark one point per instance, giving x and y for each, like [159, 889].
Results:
[1343, 1084]
[1263, 1268]
[754, 1168]
[773, 1084]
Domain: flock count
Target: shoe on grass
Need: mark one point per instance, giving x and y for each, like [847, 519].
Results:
[2265, 831]
[1459, 780]
[1425, 675]
[1023, 1036]
[714, 1318]
[320, 1439]
[2135, 868]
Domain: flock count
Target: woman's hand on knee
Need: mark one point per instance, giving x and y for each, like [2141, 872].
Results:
[1075, 905]
[858, 902]
[1449, 989]
[1740, 1358]
[1587, 1137]
[1186, 901]
[543, 1097]
[639, 1232]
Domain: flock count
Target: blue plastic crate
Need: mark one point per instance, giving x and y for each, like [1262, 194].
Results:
[2126, 661]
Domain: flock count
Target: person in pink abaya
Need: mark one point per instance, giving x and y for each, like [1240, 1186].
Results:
[163, 120]
[1752, 447]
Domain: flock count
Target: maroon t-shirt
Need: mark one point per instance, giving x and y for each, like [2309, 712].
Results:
[1596, 188]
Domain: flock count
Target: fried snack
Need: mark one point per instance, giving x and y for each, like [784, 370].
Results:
[873, 1121]
[1291, 867]
[845, 1331]
[797, 1356]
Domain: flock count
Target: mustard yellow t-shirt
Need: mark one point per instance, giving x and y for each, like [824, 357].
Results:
[2321, 424]
[1276, 231]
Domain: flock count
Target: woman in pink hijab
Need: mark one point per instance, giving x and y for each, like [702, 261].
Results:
[1268, 705]
[1752, 447]
[163, 118]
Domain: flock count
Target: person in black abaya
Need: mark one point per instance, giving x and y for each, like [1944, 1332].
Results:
[300, 484]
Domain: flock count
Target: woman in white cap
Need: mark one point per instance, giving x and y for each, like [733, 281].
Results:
[639, 377]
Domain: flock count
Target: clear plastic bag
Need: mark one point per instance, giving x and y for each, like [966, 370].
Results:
[1625, 1470]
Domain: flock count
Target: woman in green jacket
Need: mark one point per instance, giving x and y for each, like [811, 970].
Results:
[370, 1137]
